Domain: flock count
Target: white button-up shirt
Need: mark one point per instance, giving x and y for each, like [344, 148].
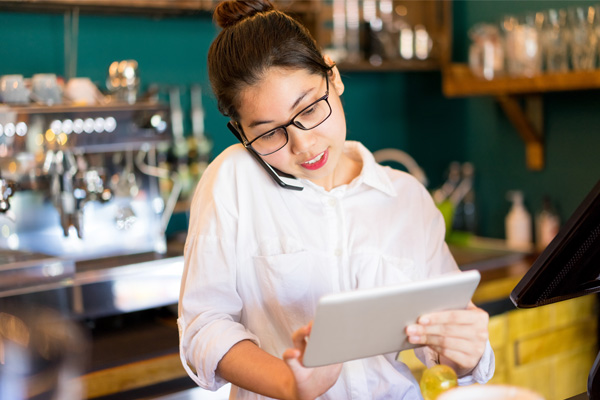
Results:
[258, 257]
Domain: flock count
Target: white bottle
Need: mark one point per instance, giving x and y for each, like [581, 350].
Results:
[547, 225]
[518, 224]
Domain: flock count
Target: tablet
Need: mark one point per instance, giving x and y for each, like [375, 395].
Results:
[368, 322]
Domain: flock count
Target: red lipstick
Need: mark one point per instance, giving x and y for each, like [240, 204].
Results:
[317, 164]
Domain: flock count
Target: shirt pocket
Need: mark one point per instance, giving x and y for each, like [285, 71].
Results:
[291, 284]
[387, 270]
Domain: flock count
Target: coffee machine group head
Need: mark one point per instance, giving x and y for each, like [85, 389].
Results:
[82, 182]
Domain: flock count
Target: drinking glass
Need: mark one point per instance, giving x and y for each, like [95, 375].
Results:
[522, 38]
[584, 41]
[555, 38]
[486, 53]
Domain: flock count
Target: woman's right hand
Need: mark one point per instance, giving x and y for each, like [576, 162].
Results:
[309, 383]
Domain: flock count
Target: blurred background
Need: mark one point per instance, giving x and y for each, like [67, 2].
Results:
[401, 106]
[492, 104]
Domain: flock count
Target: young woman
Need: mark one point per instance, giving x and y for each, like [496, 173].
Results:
[258, 256]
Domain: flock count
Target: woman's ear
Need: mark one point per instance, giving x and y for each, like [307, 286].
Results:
[334, 76]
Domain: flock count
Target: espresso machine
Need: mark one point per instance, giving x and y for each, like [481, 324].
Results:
[79, 196]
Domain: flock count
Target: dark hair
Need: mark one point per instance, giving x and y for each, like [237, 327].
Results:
[256, 37]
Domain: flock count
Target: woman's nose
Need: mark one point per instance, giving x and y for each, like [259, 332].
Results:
[300, 140]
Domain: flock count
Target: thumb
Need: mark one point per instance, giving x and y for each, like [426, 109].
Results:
[292, 359]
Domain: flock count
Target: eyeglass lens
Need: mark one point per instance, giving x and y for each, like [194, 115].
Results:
[307, 119]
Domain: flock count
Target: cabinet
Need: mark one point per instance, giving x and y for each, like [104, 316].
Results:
[361, 35]
[549, 349]
[378, 35]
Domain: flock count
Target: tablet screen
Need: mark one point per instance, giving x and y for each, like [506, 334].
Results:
[368, 322]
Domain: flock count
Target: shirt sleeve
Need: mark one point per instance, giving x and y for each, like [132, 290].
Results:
[209, 311]
[483, 372]
[210, 307]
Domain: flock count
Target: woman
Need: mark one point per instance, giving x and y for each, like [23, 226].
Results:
[259, 256]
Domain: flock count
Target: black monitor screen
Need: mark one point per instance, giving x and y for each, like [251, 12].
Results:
[570, 265]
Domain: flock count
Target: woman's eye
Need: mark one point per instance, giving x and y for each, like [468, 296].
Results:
[309, 110]
[270, 135]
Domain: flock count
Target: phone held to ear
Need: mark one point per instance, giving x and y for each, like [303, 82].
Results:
[284, 180]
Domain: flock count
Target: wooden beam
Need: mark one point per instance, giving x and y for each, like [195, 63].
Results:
[529, 125]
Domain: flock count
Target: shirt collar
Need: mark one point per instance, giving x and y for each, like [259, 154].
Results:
[371, 174]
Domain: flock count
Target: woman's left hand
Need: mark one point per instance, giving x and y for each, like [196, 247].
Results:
[458, 336]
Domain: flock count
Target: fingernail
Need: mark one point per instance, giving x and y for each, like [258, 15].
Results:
[414, 339]
[411, 329]
[424, 320]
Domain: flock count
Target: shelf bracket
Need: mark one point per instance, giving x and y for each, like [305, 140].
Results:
[529, 122]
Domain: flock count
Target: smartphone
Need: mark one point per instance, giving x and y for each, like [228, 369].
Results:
[284, 180]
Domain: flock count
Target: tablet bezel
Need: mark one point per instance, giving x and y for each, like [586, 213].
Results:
[368, 322]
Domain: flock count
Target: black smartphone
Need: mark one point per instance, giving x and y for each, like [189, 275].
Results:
[284, 180]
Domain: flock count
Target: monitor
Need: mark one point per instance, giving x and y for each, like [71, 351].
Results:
[568, 267]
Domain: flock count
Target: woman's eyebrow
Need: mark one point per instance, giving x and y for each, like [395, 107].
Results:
[298, 100]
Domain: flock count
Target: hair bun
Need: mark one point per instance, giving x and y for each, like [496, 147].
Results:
[228, 13]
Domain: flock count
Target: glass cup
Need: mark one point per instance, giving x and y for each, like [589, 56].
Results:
[13, 89]
[522, 41]
[82, 91]
[45, 89]
[555, 38]
[486, 52]
[584, 41]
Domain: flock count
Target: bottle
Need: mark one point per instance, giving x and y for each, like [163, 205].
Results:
[436, 380]
[518, 224]
[463, 199]
[547, 225]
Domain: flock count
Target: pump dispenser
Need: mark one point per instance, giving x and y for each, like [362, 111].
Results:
[518, 224]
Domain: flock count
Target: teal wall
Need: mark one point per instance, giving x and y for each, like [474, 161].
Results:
[390, 109]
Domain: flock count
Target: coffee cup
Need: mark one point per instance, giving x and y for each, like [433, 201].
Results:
[82, 91]
[13, 89]
[45, 89]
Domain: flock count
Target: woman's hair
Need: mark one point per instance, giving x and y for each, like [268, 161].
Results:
[254, 38]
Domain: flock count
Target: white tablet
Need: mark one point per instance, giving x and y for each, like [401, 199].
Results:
[367, 322]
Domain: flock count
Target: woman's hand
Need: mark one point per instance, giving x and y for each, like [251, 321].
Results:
[458, 336]
[309, 383]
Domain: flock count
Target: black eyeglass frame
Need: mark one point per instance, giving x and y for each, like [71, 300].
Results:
[247, 143]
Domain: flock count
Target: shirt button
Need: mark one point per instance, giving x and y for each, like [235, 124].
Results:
[338, 252]
[332, 202]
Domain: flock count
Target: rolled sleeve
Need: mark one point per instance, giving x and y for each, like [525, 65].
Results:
[209, 309]
[202, 350]
[483, 372]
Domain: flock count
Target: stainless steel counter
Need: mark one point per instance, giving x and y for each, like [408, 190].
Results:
[115, 285]
[106, 289]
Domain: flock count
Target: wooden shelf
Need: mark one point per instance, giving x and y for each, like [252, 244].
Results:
[525, 114]
[460, 82]
[149, 7]
[430, 64]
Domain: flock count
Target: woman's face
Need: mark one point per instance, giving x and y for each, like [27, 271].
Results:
[316, 154]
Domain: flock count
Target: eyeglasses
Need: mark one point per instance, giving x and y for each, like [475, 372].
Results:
[309, 118]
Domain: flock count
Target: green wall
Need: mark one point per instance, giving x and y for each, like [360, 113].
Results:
[390, 109]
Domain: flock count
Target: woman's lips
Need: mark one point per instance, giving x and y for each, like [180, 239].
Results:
[317, 162]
